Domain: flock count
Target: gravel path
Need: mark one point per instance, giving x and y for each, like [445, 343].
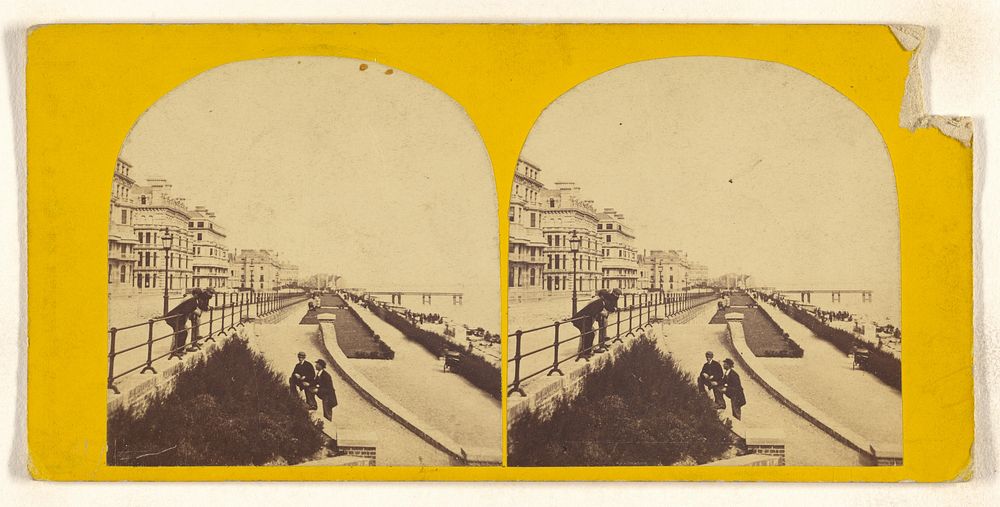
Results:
[416, 379]
[397, 446]
[824, 377]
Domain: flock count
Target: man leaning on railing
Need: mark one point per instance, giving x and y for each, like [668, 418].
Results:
[584, 319]
[187, 311]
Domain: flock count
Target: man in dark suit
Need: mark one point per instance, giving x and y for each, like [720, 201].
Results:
[585, 318]
[324, 389]
[610, 305]
[302, 378]
[711, 379]
[733, 388]
[188, 311]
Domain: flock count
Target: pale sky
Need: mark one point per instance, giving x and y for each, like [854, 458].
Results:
[378, 177]
[813, 199]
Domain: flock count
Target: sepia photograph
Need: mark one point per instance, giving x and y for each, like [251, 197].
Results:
[302, 270]
[704, 270]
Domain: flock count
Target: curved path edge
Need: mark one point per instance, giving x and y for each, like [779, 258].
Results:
[788, 397]
[392, 408]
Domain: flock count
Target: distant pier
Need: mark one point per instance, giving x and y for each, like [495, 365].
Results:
[396, 296]
[805, 295]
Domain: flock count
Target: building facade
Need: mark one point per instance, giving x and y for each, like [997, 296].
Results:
[288, 275]
[122, 237]
[569, 225]
[164, 247]
[526, 260]
[210, 258]
[257, 270]
[619, 265]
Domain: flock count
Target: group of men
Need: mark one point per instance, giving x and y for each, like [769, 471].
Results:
[315, 382]
[596, 311]
[722, 381]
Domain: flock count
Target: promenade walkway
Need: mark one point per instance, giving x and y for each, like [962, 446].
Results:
[416, 379]
[823, 376]
[805, 444]
[397, 446]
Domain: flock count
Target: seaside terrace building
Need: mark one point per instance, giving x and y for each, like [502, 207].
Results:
[122, 237]
[619, 266]
[526, 259]
[158, 212]
[564, 213]
[259, 270]
[288, 275]
[210, 261]
[665, 269]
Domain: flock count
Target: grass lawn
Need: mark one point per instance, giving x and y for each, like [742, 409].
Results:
[764, 337]
[355, 338]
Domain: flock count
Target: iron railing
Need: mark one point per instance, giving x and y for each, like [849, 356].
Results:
[635, 311]
[227, 312]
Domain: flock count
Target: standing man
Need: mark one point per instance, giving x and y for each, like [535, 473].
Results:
[302, 379]
[711, 379]
[324, 389]
[733, 388]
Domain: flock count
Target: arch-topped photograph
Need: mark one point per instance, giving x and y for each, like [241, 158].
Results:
[704, 268]
[302, 261]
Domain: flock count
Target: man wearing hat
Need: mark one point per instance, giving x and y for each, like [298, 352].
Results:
[302, 378]
[711, 379]
[733, 388]
[324, 389]
[610, 299]
[585, 318]
[188, 311]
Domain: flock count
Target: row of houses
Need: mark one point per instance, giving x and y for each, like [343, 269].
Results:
[155, 239]
[555, 232]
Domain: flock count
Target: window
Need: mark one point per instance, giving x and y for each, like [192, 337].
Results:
[124, 217]
[201, 224]
[262, 278]
[199, 234]
[532, 215]
[531, 276]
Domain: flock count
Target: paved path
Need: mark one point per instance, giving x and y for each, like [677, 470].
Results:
[806, 445]
[823, 376]
[397, 446]
[416, 379]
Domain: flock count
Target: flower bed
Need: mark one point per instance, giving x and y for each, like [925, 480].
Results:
[639, 409]
[230, 409]
[764, 336]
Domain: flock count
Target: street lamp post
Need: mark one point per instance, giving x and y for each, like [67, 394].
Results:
[167, 239]
[574, 244]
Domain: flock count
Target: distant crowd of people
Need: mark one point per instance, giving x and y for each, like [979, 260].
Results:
[422, 318]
